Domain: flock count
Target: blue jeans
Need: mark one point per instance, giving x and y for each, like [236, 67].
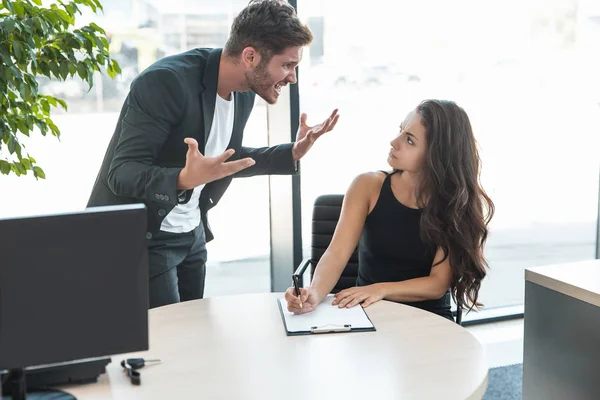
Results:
[177, 266]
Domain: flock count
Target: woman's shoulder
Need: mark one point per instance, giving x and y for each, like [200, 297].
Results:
[366, 187]
[371, 178]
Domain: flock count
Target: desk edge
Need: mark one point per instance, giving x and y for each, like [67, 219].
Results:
[481, 389]
[565, 288]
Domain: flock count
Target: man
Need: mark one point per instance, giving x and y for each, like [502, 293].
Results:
[178, 140]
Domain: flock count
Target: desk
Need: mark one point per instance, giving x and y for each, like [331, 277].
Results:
[235, 347]
[561, 347]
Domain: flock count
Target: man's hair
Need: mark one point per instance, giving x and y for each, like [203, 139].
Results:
[270, 26]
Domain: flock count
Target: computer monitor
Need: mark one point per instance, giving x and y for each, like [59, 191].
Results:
[73, 286]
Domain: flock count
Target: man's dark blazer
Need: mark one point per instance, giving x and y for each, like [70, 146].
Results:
[171, 100]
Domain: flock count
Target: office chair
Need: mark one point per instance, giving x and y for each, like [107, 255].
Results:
[326, 213]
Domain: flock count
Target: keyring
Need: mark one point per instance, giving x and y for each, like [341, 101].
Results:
[132, 373]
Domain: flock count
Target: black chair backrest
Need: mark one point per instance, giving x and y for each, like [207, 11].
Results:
[326, 213]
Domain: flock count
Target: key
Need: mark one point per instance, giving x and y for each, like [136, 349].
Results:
[137, 363]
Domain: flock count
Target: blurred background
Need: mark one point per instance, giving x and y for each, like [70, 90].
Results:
[527, 72]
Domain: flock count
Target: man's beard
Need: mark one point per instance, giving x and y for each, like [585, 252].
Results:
[262, 84]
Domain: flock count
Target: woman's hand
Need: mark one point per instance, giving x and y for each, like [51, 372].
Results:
[353, 296]
[306, 303]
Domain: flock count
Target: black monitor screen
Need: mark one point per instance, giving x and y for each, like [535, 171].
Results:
[73, 286]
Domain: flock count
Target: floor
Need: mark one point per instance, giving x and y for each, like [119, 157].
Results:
[503, 341]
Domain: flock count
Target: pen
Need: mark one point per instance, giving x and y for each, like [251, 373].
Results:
[297, 287]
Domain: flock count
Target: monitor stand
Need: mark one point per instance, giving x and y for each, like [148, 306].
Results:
[15, 388]
[37, 382]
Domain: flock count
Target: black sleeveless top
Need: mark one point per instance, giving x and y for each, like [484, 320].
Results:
[391, 250]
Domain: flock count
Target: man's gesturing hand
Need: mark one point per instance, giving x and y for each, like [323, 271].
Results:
[200, 170]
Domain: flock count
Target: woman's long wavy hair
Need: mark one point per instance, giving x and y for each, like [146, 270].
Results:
[456, 209]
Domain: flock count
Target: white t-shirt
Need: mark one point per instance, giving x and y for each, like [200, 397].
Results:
[186, 217]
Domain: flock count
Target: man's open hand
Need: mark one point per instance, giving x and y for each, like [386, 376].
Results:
[200, 170]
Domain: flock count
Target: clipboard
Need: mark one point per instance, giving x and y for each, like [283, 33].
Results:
[326, 318]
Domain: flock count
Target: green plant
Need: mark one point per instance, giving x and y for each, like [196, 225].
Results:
[35, 40]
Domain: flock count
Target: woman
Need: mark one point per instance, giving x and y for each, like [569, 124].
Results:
[420, 229]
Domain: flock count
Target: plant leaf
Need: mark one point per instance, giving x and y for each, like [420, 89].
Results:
[45, 106]
[64, 70]
[18, 9]
[26, 163]
[39, 38]
[54, 69]
[23, 127]
[97, 28]
[18, 51]
[9, 5]
[18, 151]
[62, 103]
[4, 167]
[82, 71]
[12, 144]
[9, 24]
[5, 53]
[39, 173]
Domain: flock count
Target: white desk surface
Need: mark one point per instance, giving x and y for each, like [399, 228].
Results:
[235, 347]
[580, 280]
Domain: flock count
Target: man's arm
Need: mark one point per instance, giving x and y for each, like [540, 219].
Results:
[154, 105]
[275, 160]
[284, 159]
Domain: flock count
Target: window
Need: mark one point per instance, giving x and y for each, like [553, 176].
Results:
[240, 222]
[526, 74]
